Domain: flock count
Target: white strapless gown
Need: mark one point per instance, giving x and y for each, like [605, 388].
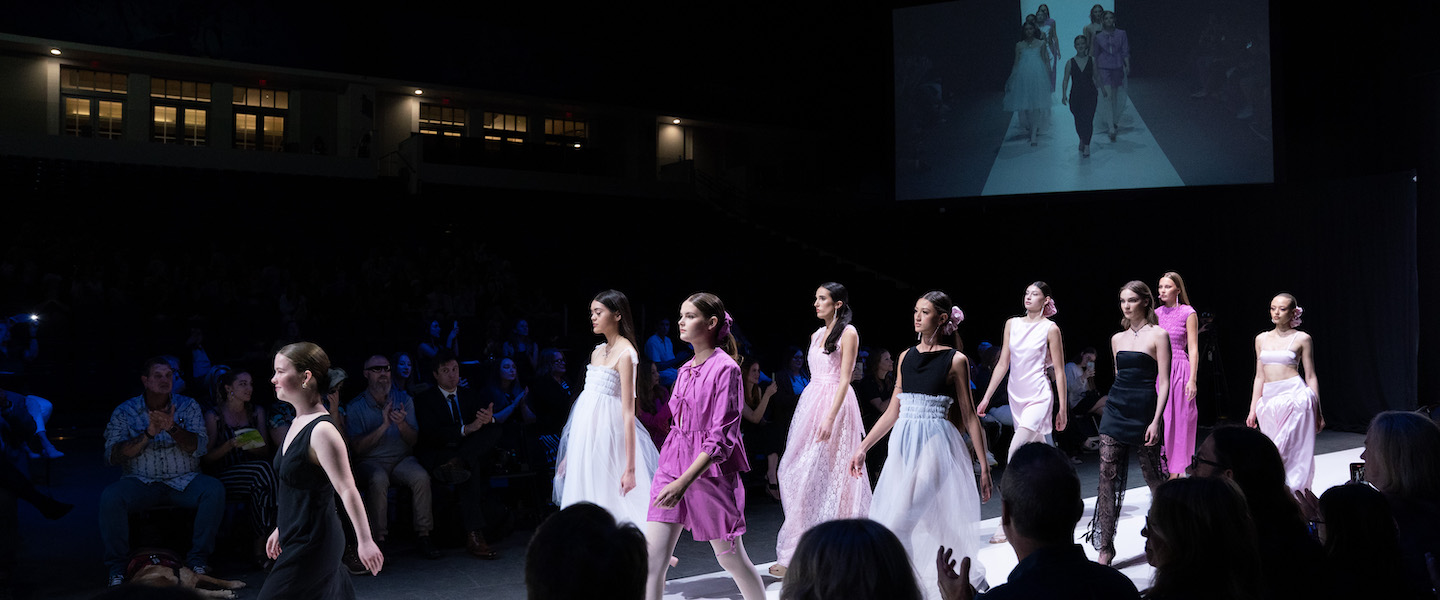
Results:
[591, 458]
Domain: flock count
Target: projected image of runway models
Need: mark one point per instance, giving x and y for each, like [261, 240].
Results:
[1081, 96]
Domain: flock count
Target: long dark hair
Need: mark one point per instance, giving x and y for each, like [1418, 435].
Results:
[1257, 468]
[1033, 36]
[616, 302]
[710, 306]
[1207, 541]
[850, 558]
[227, 378]
[843, 314]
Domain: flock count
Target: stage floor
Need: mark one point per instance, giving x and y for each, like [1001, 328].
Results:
[61, 559]
[1331, 469]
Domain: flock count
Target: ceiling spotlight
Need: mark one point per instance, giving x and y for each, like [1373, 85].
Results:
[55, 51]
[675, 121]
[419, 92]
[577, 144]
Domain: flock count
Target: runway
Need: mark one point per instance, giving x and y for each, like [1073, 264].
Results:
[1330, 470]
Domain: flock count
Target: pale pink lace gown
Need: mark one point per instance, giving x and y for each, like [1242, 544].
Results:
[815, 481]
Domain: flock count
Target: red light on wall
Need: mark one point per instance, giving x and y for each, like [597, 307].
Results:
[445, 101]
[569, 115]
[262, 83]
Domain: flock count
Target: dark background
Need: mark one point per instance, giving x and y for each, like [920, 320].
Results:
[1343, 228]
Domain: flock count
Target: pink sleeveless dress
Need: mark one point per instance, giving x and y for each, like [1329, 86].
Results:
[815, 481]
[1181, 416]
[1031, 399]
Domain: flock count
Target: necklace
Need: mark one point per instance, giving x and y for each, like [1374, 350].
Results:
[1136, 332]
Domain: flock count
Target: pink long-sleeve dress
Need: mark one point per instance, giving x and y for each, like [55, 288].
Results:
[706, 405]
[815, 481]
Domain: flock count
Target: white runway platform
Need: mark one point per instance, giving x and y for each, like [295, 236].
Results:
[1330, 470]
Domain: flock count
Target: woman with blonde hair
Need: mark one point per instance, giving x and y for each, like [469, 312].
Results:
[1179, 320]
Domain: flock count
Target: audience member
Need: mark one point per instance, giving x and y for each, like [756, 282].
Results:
[1290, 560]
[457, 437]
[433, 342]
[877, 386]
[795, 370]
[511, 404]
[850, 559]
[16, 428]
[551, 397]
[873, 391]
[1084, 403]
[760, 433]
[1362, 547]
[1040, 504]
[652, 403]
[157, 438]
[239, 453]
[12, 364]
[1402, 461]
[580, 552]
[1080, 384]
[521, 348]
[1201, 541]
[661, 351]
[407, 374]
[382, 430]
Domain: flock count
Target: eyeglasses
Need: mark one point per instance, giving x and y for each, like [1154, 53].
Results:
[1196, 461]
[378, 369]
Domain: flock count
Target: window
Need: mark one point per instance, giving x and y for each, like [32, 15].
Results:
[174, 89]
[92, 103]
[179, 111]
[260, 118]
[564, 132]
[442, 120]
[81, 80]
[502, 127]
[174, 125]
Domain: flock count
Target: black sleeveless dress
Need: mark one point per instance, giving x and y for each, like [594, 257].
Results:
[1083, 97]
[925, 372]
[311, 539]
[1131, 406]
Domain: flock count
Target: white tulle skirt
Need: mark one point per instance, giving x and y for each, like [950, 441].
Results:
[926, 494]
[591, 458]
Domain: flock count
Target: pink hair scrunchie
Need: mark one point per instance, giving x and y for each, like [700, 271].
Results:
[1295, 320]
[956, 316]
[724, 329]
[1049, 310]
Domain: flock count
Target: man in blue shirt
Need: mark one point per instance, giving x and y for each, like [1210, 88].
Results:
[1039, 506]
[157, 439]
